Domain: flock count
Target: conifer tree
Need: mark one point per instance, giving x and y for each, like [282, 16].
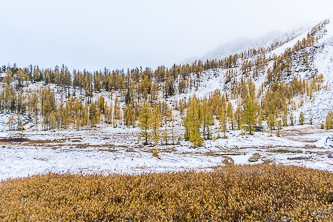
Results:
[165, 135]
[284, 119]
[223, 122]
[250, 115]
[101, 104]
[155, 124]
[128, 115]
[192, 123]
[53, 121]
[145, 122]
[10, 122]
[92, 114]
[230, 114]
[239, 117]
[9, 77]
[172, 127]
[19, 122]
[301, 118]
[271, 121]
[207, 119]
[328, 122]
[279, 127]
[116, 112]
[8, 98]
[291, 120]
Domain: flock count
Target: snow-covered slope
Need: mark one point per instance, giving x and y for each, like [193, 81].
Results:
[116, 150]
[243, 44]
[4, 117]
[320, 54]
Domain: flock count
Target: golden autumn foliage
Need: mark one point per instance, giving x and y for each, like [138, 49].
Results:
[235, 193]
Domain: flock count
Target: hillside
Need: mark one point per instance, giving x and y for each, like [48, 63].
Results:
[189, 116]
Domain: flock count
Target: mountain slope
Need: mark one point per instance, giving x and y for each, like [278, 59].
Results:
[321, 62]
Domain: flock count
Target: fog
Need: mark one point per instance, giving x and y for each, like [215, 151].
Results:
[85, 34]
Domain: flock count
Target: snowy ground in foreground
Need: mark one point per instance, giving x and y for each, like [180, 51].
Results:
[110, 150]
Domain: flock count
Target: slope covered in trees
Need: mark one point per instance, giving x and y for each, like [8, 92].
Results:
[257, 87]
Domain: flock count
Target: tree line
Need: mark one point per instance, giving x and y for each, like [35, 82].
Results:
[60, 99]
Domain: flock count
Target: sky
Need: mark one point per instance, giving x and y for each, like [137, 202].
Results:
[87, 34]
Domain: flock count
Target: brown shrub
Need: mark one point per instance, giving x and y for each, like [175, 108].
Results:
[234, 193]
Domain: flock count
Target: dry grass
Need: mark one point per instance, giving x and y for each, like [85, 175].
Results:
[287, 151]
[14, 139]
[43, 142]
[235, 193]
[254, 158]
[227, 160]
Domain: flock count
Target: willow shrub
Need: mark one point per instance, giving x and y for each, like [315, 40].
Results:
[234, 193]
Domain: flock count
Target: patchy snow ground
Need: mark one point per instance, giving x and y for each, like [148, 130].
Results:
[115, 150]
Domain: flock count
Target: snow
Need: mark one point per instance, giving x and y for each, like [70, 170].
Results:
[243, 159]
[280, 50]
[18, 162]
[329, 32]
[258, 139]
[322, 102]
[115, 150]
[3, 121]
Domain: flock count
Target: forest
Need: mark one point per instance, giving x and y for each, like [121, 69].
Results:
[140, 97]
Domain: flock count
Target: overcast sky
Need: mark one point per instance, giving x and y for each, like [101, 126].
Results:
[94, 34]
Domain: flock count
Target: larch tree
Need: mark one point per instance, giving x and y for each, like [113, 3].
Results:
[328, 122]
[230, 115]
[223, 122]
[271, 121]
[145, 122]
[239, 117]
[93, 114]
[301, 118]
[192, 123]
[250, 115]
[291, 118]
[279, 127]
[155, 124]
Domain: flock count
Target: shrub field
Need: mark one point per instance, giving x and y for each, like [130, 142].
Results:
[234, 193]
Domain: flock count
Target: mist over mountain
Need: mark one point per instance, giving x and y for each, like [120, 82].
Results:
[241, 44]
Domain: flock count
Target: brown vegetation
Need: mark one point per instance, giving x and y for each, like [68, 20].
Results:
[235, 193]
